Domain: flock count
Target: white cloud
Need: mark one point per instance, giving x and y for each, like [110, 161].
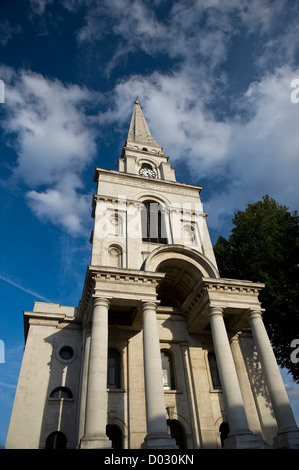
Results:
[263, 151]
[7, 31]
[39, 6]
[177, 117]
[187, 31]
[257, 154]
[62, 205]
[54, 140]
[51, 129]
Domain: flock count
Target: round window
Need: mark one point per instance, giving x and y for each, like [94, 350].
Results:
[66, 353]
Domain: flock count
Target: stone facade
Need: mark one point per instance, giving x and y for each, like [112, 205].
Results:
[161, 351]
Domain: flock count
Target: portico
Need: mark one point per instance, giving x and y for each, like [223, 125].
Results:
[139, 291]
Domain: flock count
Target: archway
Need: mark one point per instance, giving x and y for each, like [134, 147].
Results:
[224, 431]
[176, 253]
[115, 435]
[56, 440]
[177, 433]
[180, 279]
[183, 268]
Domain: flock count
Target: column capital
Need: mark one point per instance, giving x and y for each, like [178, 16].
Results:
[235, 338]
[215, 311]
[254, 313]
[148, 304]
[101, 302]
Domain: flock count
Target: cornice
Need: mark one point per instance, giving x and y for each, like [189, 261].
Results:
[53, 319]
[131, 277]
[154, 152]
[122, 204]
[221, 286]
[231, 285]
[113, 281]
[234, 297]
[136, 180]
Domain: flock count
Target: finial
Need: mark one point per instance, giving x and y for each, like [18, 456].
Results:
[136, 100]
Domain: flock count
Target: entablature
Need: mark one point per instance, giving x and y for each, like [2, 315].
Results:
[236, 298]
[121, 286]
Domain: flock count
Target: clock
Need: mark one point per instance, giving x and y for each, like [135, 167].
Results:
[147, 170]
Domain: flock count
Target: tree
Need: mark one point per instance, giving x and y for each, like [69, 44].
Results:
[264, 247]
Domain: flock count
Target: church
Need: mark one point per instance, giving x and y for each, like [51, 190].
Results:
[161, 352]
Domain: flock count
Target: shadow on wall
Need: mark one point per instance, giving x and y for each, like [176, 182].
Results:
[59, 422]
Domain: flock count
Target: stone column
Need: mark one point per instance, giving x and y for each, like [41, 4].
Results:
[96, 401]
[157, 436]
[288, 432]
[240, 436]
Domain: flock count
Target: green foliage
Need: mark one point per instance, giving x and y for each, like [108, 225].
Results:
[264, 247]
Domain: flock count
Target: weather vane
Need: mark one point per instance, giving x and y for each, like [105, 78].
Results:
[136, 100]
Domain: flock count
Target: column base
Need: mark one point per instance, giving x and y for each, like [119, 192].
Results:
[244, 441]
[159, 441]
[287, 440]
[95, 441]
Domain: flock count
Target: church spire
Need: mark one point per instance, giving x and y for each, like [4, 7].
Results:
[142, 155]
[139, 132]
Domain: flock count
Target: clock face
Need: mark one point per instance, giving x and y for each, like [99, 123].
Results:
[147, 170]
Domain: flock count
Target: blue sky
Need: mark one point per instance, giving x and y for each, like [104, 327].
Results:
[214, 80]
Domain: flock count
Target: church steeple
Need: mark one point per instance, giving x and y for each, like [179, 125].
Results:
[139, 132]
[141, 154]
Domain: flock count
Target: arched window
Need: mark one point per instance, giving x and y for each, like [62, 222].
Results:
[167, 369]
[56, 440]
[176, 431]
[189, 234]
[113, 370]
[61, 392]
[153, 223]
[115, 256]
[214, 371]
[115, 436]
[224, 431]
[116, 225]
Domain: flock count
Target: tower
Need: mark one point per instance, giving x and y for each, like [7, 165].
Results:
[161, 352]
